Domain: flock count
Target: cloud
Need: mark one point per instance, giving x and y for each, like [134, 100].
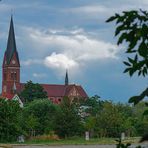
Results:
[60, 61]
[67, 48]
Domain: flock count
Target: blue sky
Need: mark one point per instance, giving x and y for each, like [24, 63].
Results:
[55, 35]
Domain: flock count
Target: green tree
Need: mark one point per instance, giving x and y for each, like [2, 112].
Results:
[132, 27]
[90, 125]
[110, 121]
[90, 110]
[10, 128]
[93, 105]
[68, 122]
[33, 91]
[39, 115]
[140, 121]
[31, 123]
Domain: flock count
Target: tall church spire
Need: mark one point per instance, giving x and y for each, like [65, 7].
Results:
[11, 65]
[66, 78]
[11, 44]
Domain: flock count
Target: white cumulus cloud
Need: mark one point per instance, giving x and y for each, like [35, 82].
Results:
[60, 61]
[67, 48]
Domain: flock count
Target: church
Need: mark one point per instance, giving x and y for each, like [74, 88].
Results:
[11, 76]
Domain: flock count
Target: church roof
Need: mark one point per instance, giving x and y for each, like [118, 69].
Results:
[11, 44]
[56, 90]
[62, 90]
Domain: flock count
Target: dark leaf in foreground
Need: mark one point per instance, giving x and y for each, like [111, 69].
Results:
[144, 138]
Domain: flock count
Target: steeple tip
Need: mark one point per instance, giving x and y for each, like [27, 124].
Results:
[66, 78]
[11, 20]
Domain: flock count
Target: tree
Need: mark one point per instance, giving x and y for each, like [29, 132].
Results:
[110, 121]
[31, 123]
[90, 124]
[89, 111]
[132, 27]
[140, 121]
[68, 122]
[93, 105]
[10, 128]
[39, 115]
[33, 91]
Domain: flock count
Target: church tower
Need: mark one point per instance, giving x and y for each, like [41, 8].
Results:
[11, 66]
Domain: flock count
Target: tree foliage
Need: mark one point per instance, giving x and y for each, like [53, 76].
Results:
[10, 128]
[132, 28]
[33, 91]
[112, 120]
[93, 105]
[68, 121]
[39, 115]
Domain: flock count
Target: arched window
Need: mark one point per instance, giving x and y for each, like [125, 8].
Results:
[13, 75]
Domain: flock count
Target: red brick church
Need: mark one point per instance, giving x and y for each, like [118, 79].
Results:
[11, 76]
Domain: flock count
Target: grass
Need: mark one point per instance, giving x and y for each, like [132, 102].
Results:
[73, 141]
[78, 141]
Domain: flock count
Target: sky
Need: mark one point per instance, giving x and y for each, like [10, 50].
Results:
[55, 35]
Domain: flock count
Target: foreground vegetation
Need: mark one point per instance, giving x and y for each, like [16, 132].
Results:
[42, 117]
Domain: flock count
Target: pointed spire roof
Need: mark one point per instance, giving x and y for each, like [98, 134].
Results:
[11, 44]
[66, 78]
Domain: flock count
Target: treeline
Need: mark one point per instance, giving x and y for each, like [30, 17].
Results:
[71, 118]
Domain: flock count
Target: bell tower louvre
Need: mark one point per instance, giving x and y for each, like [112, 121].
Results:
[11, 84]
[11, 65]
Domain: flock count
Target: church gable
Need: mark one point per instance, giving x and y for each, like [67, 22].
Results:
[73, 92]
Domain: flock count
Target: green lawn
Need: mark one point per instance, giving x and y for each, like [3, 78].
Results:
[75, 141]
[82, 141]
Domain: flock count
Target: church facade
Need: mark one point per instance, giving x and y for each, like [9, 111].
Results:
[11, 76]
